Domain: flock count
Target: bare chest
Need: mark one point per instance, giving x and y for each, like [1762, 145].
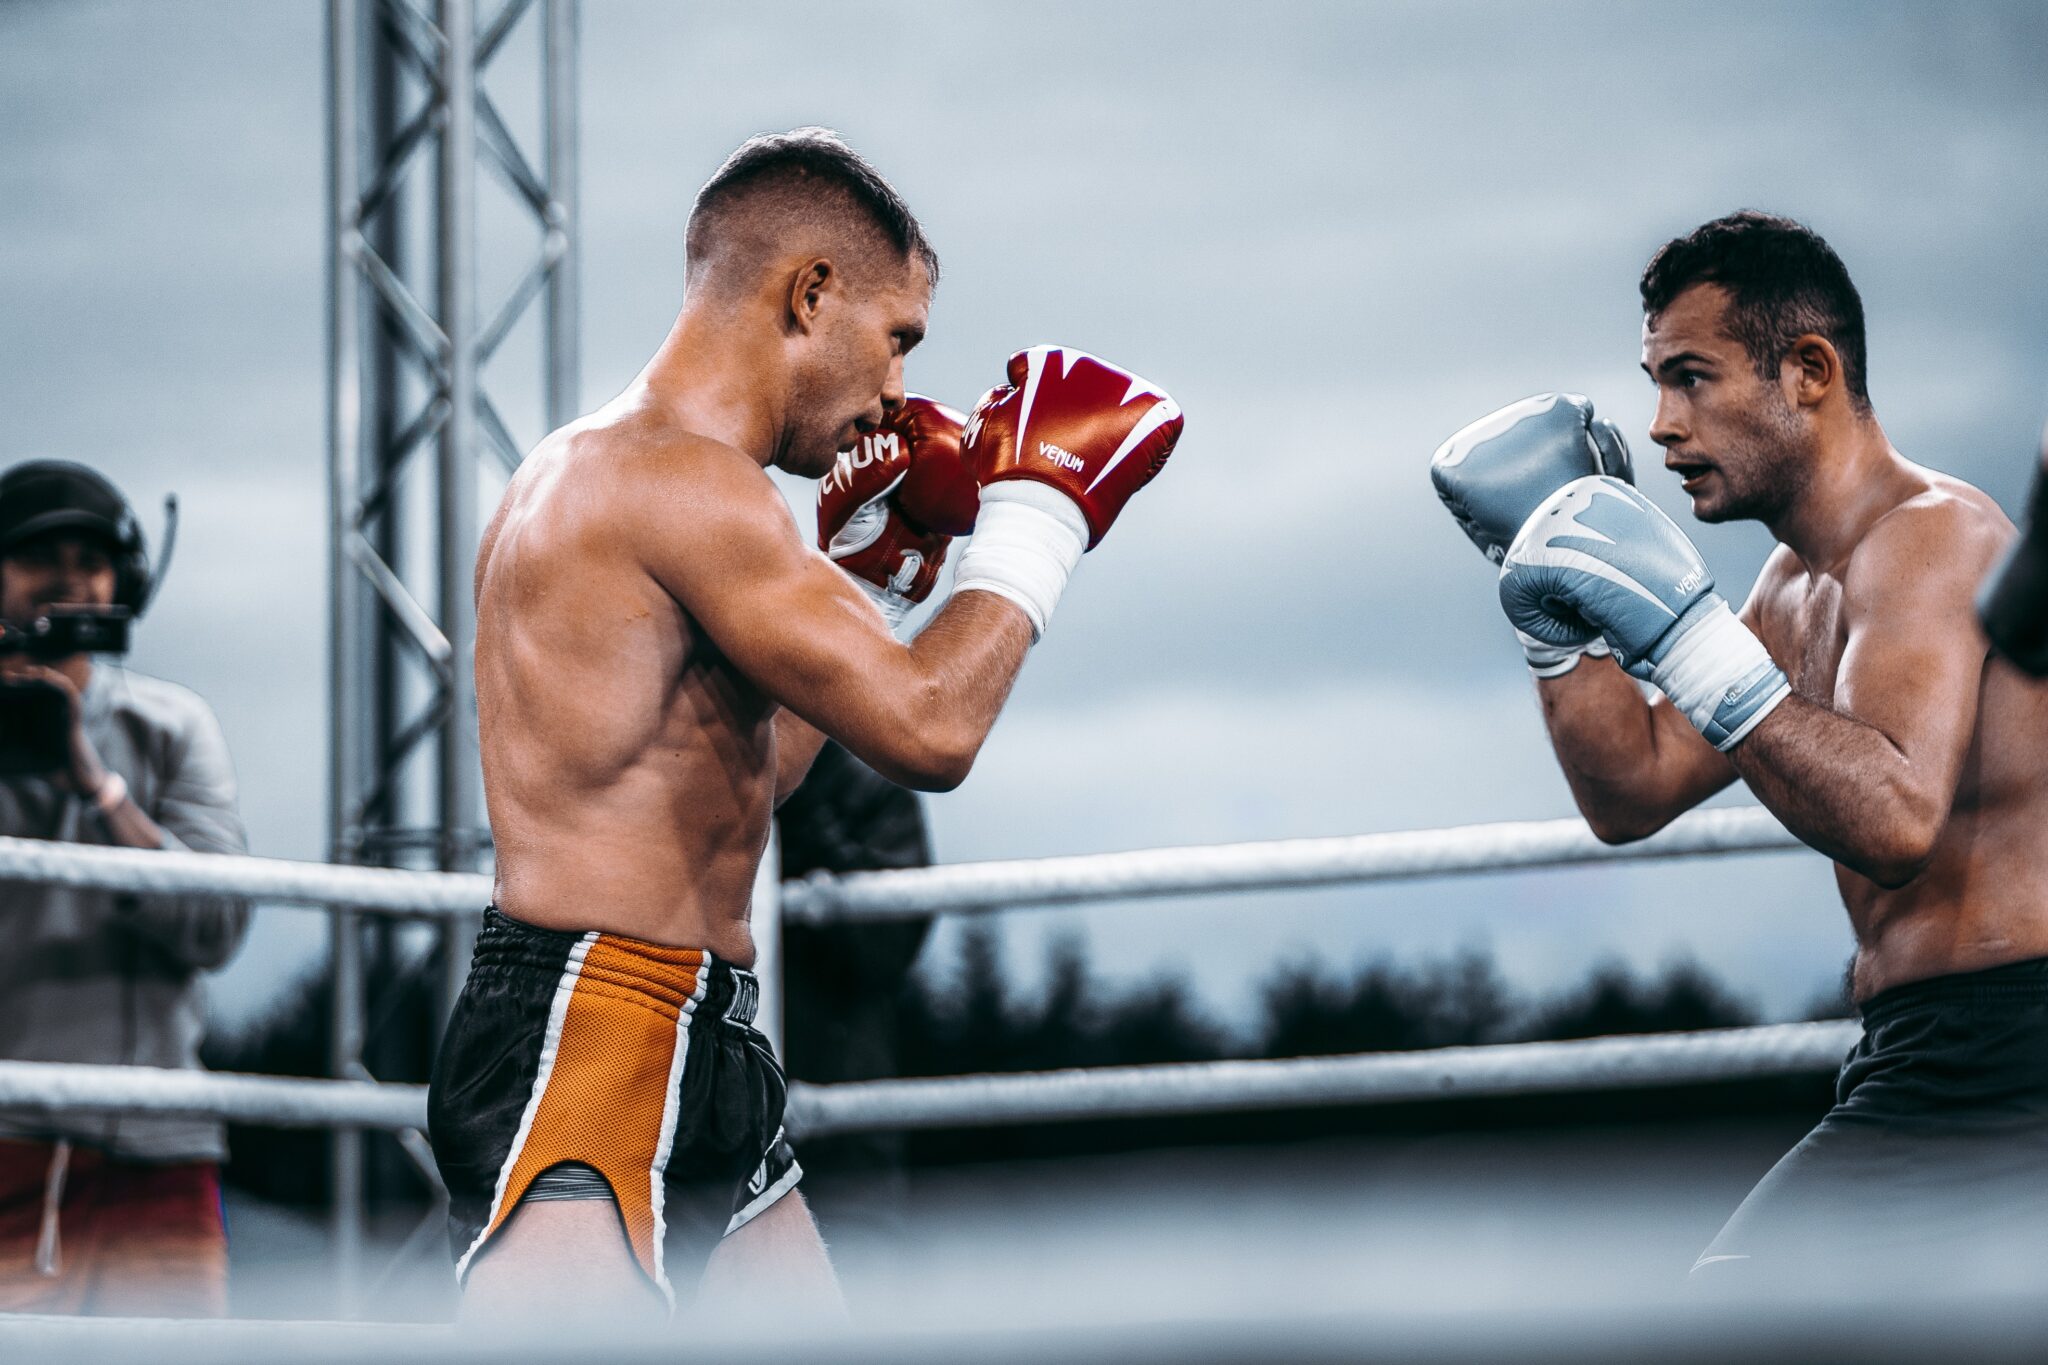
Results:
[1808, 636]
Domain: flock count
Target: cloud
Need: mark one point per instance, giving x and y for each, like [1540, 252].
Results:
[1336, 231]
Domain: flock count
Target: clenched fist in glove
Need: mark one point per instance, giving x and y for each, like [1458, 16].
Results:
[1495, 472]
[1599, 557]
[888, 510]
[1058, 451]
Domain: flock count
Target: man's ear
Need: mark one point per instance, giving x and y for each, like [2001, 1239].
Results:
[808, 287]
[1811, 368]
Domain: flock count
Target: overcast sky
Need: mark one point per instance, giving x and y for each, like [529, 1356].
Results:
[1336, 232]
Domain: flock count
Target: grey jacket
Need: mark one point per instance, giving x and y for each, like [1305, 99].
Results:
[95, 976]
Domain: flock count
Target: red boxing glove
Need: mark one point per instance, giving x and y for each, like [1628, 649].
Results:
[889, 509]
[1092, 430]
[1059, 450]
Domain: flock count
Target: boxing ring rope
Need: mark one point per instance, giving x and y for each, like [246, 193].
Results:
[1372, 1078]
[152, 872]
[1119, 1092]
[49, 1088]
[1273, 865]
[1097, 1093]
[957, 888]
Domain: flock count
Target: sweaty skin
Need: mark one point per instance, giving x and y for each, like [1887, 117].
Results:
[1907, 753]
[656, 641]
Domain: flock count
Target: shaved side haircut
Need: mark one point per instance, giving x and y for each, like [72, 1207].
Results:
[803, 188]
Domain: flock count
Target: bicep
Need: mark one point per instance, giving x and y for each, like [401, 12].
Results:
[1913, 657]
[1913, 675]
[783, 614]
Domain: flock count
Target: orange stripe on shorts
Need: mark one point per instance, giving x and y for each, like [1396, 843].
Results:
[609, 1090]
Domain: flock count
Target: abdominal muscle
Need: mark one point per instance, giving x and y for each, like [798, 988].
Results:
[1979, 904]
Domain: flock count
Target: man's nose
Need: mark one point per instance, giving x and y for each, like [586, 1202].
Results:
[892, 387]
[1665, 428]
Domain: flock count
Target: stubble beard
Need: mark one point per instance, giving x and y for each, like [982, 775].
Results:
[809, 455]
[1766, 468]
[809, 449]
[812, 441]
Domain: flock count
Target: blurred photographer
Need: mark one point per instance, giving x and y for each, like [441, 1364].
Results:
[103, 1214]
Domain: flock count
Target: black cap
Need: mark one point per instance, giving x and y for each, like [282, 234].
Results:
[41, 496]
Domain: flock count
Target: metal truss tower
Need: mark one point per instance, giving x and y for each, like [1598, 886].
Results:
[415, 438]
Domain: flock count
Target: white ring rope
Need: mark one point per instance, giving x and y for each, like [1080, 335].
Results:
[152, 872]
[1206, 869]
[1318, 1082]
[1034, 1097]
[951, 888]
[34, 1089]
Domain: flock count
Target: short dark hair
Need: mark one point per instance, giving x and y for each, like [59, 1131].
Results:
[1783, 281]
[804, 167]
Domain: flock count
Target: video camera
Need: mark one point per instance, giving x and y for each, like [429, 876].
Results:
[35, 719]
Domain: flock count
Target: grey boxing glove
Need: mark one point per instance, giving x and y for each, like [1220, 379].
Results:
[1599, 556]
[1493, 473]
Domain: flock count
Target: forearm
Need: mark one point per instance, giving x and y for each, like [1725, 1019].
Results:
[927, 728]
[1845, 789]
[194, 810]
[1632, 766]
[128, 824]
[202, 932]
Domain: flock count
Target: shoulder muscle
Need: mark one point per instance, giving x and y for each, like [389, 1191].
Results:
[1929, 553]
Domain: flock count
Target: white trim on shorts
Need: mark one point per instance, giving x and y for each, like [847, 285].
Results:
[550, 1043]
[671, 1105]
[766, 1199]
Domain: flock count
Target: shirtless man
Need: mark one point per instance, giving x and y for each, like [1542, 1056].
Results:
[658, 653]
[1854, 693]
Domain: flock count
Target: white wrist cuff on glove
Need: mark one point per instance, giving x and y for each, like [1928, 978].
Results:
[895, 607]
[1026, 542]
[1706, 664]
[1554, 661]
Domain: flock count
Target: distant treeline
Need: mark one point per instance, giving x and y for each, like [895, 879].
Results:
[975, 1024]
[970, 1020]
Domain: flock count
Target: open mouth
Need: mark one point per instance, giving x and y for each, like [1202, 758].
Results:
[1691, 476]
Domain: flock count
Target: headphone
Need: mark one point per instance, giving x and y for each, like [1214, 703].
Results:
[95, 504]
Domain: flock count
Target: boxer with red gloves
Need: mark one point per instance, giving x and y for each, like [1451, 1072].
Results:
[659, 650]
